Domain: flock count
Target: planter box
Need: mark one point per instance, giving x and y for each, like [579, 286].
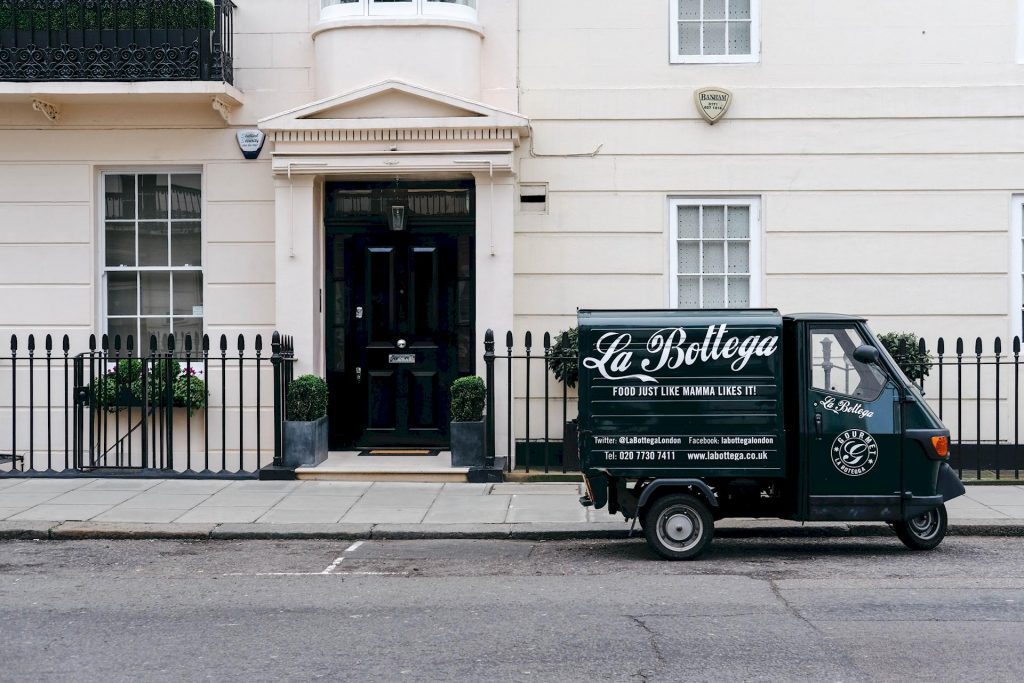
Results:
[469, 444]
[305, 443]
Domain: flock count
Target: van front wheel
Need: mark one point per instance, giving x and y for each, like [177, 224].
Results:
[678, 527]
[923, 532]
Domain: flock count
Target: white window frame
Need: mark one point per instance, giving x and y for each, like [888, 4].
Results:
[142, 346]
[755, 39]
[756, 240]
[1016, 264]
[332, 9]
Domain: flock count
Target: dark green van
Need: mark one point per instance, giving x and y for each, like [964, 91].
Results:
[691, 416]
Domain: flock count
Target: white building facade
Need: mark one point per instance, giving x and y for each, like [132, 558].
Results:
[436, 168]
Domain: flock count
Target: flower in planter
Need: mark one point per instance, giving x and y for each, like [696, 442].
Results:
[112, 390]
[190, 391]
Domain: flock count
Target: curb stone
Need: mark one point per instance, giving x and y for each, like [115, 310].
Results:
[130, 530]
[26, 530]
[340, 532]
[398, 532]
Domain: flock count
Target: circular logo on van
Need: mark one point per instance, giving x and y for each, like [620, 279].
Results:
[854, 452]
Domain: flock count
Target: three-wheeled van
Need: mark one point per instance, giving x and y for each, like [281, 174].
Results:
[687, 417]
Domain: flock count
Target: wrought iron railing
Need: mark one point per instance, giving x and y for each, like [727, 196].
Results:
[212, 408]
[116, 40]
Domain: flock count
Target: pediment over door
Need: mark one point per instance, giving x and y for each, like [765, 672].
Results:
[394, 119]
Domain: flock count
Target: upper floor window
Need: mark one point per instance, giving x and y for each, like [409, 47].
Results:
[715, 253]
[456, 9]
[715, 31]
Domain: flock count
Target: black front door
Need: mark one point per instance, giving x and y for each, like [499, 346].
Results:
[399, 331]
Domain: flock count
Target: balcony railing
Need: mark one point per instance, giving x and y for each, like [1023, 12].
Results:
[453, 9]
[116, 40]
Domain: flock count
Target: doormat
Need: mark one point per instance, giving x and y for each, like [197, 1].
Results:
[421, 452]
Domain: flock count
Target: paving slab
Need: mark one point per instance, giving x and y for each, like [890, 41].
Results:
[171, 501]
[229, 499]
[537, 489]
[11, 498]
[120, 485]
[339, 504]
[1012, 511]
[190, 486]
[6, 512]
[261, 486]
[545, 508]
[452, 489]
[141, 515]
[333, 488]
[405, 487]
[85, 497]
[341, 532]
[59, 513]
[363, 515]
[8, 482]
[40, 485]
[426, 531]
[468, 510]
[279, 516]
[210, 514]
[27, 529]
[114, 530]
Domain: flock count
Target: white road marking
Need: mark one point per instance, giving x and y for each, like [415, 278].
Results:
[352, 548]
[333, 565]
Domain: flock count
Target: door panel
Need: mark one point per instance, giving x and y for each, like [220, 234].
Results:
[400, 335]
[853, 444]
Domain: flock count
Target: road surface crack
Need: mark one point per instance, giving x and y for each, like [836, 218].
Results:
[652, 638]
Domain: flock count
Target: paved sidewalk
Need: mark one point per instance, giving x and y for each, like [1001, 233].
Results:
[239, 509]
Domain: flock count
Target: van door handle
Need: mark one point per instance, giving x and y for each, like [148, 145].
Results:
[817, 425]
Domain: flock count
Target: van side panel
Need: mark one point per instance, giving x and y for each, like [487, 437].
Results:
[682, 394]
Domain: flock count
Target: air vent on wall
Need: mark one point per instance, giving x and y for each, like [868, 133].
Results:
[533, 197]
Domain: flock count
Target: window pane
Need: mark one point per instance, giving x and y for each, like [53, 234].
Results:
[689, 9]
[186, 195]
[714, 9]
[120, 197]
[120, 244]
[152, 196]
[714, 222]
[739, 292]
[739, 222]
[161, 327]
[714, 292]
[689, 222]
[188, 293]
[739, 9]
[714, 38]
[739, 37]
[122, 294]
[689, 292]
[188, 326]
[125, 327]
[186, 244]
[739, 257]
[689, 38]
[152, 244]
[689, 257]
[714, 257]
[156, 293]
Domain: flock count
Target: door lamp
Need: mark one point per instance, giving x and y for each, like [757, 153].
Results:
[396, 217]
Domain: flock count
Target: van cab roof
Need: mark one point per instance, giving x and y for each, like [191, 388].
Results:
[816, 317]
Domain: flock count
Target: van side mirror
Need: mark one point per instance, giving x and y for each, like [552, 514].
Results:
[866, 354]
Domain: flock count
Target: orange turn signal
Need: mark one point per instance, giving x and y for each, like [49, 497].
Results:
[941, 445]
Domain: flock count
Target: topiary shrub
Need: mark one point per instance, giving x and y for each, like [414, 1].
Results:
[905, 349]
[307, 399]
[468, 396]
[565, 353]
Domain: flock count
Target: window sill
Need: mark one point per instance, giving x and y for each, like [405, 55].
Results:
[397, 22]
[716, 59]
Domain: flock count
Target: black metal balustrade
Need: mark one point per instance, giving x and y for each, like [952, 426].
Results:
[116, 40]
[976, 393]
[193, 410]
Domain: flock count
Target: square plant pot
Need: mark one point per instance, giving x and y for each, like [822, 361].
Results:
[469, 447]
[305, 443]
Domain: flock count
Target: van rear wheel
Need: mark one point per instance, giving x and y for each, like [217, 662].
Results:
[678, 527]
[923, 532]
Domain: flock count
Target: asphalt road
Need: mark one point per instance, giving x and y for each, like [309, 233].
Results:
[778, 610]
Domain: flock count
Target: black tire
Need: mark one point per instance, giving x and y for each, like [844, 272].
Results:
[678, 527]
[923, 532]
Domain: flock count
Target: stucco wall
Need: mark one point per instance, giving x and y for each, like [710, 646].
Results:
[885, 143]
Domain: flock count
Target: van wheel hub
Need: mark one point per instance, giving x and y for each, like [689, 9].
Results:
[679, 527]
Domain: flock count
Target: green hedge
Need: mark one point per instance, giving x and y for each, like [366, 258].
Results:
[468, 396]
[157, 14]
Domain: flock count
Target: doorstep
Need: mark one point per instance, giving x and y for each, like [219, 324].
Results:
[350, 466]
